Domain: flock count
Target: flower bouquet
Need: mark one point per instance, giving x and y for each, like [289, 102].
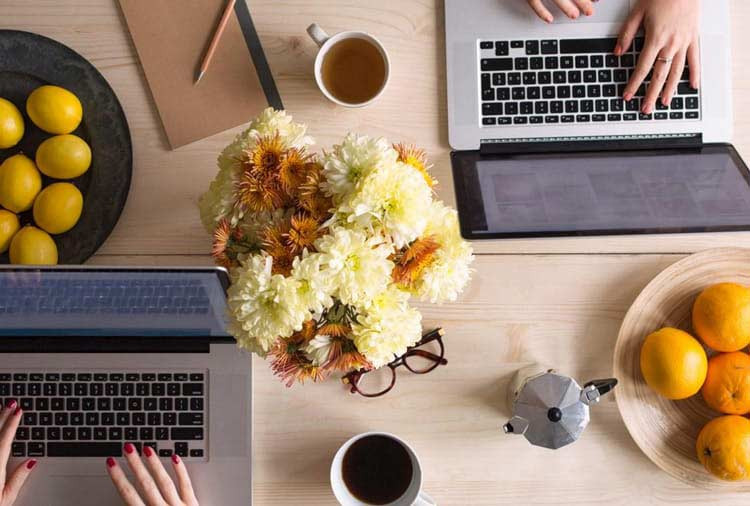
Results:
[324, 252]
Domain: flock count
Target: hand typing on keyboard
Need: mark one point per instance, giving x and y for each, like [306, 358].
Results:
[671, 40]
[10, 417]
[155, 487]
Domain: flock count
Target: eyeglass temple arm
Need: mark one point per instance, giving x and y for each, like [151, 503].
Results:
[431, 356]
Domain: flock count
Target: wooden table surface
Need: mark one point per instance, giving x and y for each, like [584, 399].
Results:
[557, 301]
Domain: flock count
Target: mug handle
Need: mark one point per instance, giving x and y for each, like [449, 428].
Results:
[317, 34]
[424, 500]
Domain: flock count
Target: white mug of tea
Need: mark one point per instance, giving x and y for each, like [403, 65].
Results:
[351, 68]
[378, 468]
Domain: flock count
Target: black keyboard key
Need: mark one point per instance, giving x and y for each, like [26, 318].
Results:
[501, 48]
[88, 404]
[501, 94]
[20, 376]
[520, 63]
[165, 452]
[627, 60]
[541, 108]
[186, 433]
[559, 77]
[19, 389]
[132, 376]
[568, 118]
[68, 376]
[612, 61]
[633, 105]
[486, 44]
[532, 47]
[548, 92]
[609, 90]
[100, 434]
[83, 376]
[68, 433]
[29, 419]
[149, 376]
[536, 63]
[551, 63]
[629, 117]
[583, 118]
[582, 62]
[598, 117]
[686, 89]
[81, 389]
[76, 418]
[162, 433]
[41, 404]
[515, 44]
[49, 389]
[181, 449]
[601, 105]
[533, 93]
[127, 389]
[26, 403]
[187, 419]
[4, 389]
[108, 419]
[661, 115]
[566, 62]
[574, 76]
[37, 433]
[99, 376]
[488, 95]
[498, 79]
[514, 79]
[122, 419]
[103, 404]
[677, 103]
[196, 452]
[131, 433]
[691, 115]
[116, 376]
[589, 76]
[542, 78]
[504, 121]
[119, 404]
[551, 119]
[556, 107]
[171, 418]
[153, 419]
[139, 419]
[486, 81]
[57, 404]
[574, 46]
[165, 404]
[587, 105]
[65, 389]
[4, 376]
[645, 117]
[54, 433]
[92, 419]
[487, 64]
[511, 108]
[84, 433]
[18, 450]
[549, 47]
[620, 76]
[691, 102]
[529, 78]
[146, 433]
[660, 106]
[520, 120]
[135, 404]
[34, 389]
[614, 117]
[22, 434]
[84, 449]
[594, 91]
[35, 449]
[563, 92]
[571, 106]
[45, 418]
[191, 389]
[115, 433]
[96, 389]
[61, 419]
[604, 76]
[597, 61]
[579, 91]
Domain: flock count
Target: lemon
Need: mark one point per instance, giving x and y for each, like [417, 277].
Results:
[31, 246]
[63, 157]
[54, 109]
[20, 183]
[11, 124]
[9, 225]
[58, 208]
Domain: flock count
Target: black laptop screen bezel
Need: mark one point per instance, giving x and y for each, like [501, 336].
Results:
[115, 344]
[471, 210]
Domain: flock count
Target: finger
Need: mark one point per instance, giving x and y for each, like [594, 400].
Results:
[16, 481]
[643, 67]
[628, 31]
[163, 481]
[123, 486]
[183, 481]
[658, 78]
[585, 6]
[694, 63]
[145, 482]
[541, 11]
[675, 73]
[10, 425]
[568, 8]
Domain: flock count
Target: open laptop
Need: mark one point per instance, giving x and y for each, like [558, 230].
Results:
[101, 356]
[545, 145]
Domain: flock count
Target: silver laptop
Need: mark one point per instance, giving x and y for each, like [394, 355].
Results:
[98, 357]
[545, 146]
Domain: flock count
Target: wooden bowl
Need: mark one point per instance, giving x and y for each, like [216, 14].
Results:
[666, 430]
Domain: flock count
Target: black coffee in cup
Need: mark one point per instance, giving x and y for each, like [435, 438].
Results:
[377, 469]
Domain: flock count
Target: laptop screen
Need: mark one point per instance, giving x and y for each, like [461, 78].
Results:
[112, 302]
[606, 193]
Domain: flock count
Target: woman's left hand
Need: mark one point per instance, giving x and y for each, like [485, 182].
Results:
[672, 28]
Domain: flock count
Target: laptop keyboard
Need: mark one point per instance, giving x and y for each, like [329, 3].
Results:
[553, 81]
[93, 414]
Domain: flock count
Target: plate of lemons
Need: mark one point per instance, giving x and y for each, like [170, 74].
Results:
[65, 153]
[682, 361]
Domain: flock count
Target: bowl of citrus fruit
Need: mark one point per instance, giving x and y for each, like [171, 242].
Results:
[65, 153]
[684, 369]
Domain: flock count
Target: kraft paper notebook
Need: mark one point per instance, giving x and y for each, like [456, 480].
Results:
[171, 37]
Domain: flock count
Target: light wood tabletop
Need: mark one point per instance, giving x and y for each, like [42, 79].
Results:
[558, 301]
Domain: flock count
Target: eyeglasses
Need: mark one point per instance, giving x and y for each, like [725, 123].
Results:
[374, 383]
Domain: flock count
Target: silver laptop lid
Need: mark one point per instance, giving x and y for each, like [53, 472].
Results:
[112, 302]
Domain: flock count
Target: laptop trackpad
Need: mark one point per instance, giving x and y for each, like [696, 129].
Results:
[606, 11]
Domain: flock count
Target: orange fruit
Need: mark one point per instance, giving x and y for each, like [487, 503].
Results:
[723, 447]
[721, 316]
[727, 386]
[673, 363]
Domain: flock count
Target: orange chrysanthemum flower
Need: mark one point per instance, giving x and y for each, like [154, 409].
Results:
[291, 365]
[222, 236]
[293, 170]
[334, 329]
[267, 154]
[411, 261]
[257, 192]
[303, 232]
[310, 198]
[417, 158]
[343, 356]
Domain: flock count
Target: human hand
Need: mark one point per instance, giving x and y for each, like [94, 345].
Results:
[672, 28]
[10, 417]
[571, 8]
[155, 485]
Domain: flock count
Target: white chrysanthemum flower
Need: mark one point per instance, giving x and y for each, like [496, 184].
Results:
[219, 201]
[356, 265]
[264, 306]
[449, 273]
[314, 284]
[395, 197]
[387, 327]
[318, 349]
[352, 161]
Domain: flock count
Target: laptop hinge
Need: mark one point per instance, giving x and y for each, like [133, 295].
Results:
[72, 344]
[590, 143]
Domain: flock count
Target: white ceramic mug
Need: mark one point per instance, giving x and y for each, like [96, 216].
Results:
[326, 42]
[414, 496]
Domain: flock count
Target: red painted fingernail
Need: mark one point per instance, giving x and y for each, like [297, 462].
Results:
[111, 462]
[147, 451]
[17, 411]
[175, 459]
[30, 464]
[129, 448]
[618, 50]
[12, 404]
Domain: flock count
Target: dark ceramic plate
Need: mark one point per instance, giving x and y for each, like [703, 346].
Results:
[27, 61]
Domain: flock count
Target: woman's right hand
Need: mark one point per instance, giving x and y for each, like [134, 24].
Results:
[155, 486]
[10, 417]
[571, 8]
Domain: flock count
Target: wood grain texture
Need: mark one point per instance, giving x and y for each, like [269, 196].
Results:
[561, 309]
[667, 430]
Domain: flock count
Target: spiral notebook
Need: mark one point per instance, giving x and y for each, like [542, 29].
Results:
[171, 37]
